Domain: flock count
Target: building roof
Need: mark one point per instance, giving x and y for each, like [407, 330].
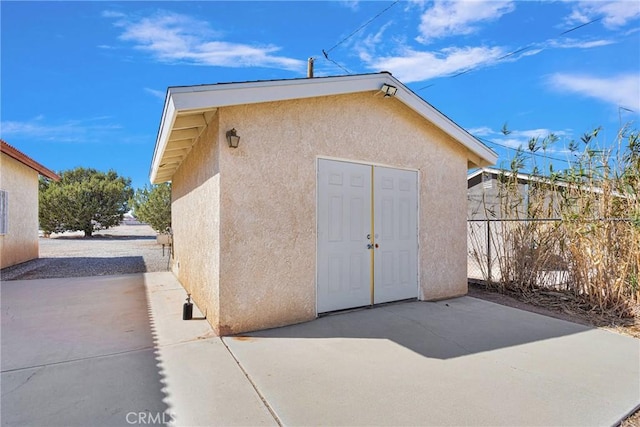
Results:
[525, 177]
[188, 110]
[27, 161]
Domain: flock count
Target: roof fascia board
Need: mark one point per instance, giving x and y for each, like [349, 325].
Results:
[19, 156]
[257, 92]
[186, 98]
[475, 173]
[168, 119]
[427, 111]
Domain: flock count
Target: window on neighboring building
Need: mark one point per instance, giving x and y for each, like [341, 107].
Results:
[4, 211]
[487, 181]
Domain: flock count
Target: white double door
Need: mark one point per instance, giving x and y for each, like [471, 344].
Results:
[367, 235]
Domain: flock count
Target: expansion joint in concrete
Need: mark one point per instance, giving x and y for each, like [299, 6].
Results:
[253, 384]
[80, 359]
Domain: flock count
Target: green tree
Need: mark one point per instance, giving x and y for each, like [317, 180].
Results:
[153, 206]
[83, 200]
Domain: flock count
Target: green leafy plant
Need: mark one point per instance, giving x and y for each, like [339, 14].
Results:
[153, 206]
[83, 200]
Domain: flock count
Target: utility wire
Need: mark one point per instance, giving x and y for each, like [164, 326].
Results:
[325, 53]
[326, 56]
[360, 28]
[580, 26]
[515, 52]
[532, 153]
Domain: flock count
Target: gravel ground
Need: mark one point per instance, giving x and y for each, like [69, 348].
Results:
[124, 249]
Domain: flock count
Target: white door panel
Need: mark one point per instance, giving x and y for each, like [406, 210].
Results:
[344, 221]
[396, 229]
[347, 193]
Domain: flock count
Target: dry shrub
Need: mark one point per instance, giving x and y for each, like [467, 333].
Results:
[601, 213]
[577, 230]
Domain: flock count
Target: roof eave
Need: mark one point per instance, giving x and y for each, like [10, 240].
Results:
[186, 98]
[18, 155]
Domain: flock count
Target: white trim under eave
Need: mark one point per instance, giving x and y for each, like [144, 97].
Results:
[169, 116]
[447, 125]
[272, 91]
[188, 98]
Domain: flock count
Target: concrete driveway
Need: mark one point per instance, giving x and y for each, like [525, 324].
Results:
[114, 351]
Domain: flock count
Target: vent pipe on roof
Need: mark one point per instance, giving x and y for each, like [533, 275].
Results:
[310, 68]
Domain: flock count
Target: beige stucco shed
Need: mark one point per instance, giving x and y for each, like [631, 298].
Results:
[19, 205]
[342, 192]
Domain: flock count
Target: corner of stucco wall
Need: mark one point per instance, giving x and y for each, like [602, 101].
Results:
[195, 215]
[263, 283]
[444, 242]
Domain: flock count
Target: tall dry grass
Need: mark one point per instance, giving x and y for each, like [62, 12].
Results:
[592, 249]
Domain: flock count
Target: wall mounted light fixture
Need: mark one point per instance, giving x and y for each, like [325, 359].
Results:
[232, 138]
[388, 90]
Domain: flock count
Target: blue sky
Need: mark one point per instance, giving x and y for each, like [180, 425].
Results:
[83, 83]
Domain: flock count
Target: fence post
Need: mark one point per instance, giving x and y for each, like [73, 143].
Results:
[489, 250]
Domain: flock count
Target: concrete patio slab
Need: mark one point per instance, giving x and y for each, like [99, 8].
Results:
[114, 350]
[457, 362]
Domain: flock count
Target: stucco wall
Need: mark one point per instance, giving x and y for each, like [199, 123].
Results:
[195, 213]
[20, 244]
[268, 199]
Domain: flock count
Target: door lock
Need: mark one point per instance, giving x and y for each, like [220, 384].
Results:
[369, 246]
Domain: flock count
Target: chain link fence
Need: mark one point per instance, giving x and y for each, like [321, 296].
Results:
[494, 243]
[534, 252]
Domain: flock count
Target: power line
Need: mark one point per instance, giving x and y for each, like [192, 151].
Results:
[515, 52]
[326, 56]
[579, 26]
[325, 53]
[487, 141]
[360, 28]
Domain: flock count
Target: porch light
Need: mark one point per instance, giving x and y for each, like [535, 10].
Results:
[232, 138]
[388, 90]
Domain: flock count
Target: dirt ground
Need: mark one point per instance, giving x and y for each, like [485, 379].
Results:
[563, 308]
[125, 249]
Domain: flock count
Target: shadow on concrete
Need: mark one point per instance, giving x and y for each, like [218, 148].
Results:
[79, 352]
[47, 268]
[441, 330]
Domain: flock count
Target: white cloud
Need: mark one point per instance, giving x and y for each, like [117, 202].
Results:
[350, 4]
[521, 138]
[112, 14]
[175, 38]
[413, 66]
[482, 131]
[536, 133]
[449, 18]
[622, 90]
[156, 93]
[86, 130]
[370, 43]
[579, 44]
[614, 14]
